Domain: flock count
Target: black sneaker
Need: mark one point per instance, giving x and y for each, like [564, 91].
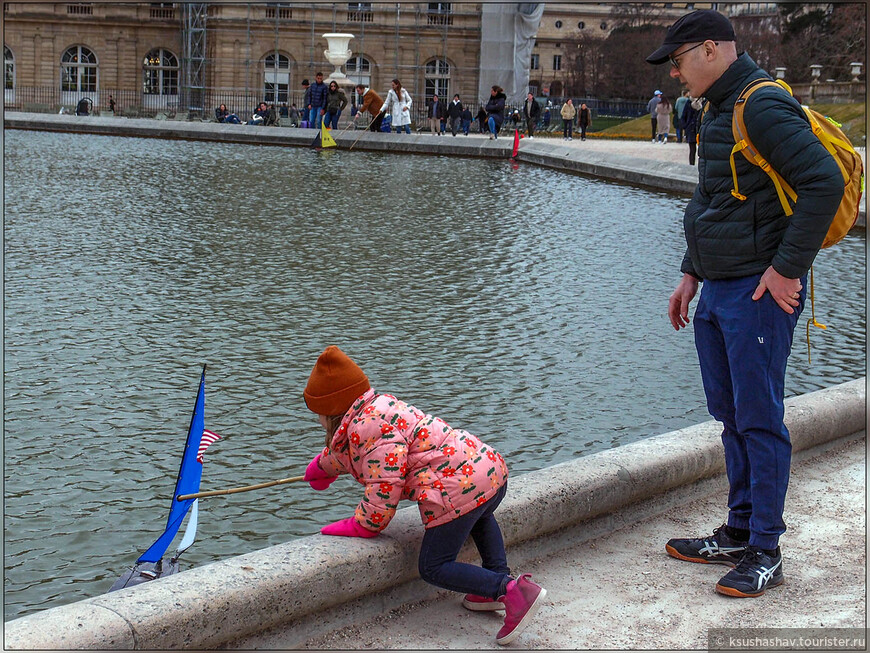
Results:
[720, 548]
[756, 572]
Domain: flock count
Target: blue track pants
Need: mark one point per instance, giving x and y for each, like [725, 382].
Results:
[743, 347]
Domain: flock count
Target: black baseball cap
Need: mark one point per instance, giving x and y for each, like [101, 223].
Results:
[697, 27]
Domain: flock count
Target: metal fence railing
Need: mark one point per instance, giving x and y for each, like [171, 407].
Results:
[135, 104]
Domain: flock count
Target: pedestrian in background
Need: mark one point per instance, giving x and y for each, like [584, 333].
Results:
[568, 112]
[315, 101]
[371, 102]
[679, 105]
[495, 110]
[651, 107]
[481, 119]
[454, 114]
[691, 116]
[584, 120]
[398, 103]
[663, 119]
[531, 112]
[435, 111]
[336, 101]
[466, 120]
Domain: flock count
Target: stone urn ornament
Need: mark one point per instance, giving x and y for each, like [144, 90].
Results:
[337, 54]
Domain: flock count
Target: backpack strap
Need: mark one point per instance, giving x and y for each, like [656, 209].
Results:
[743, 144]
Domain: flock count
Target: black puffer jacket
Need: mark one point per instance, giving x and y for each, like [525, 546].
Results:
[729, 238]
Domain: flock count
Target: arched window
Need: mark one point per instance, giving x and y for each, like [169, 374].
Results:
[78, 70]
[160, 73]
[359, 71]
[276, 78]
[10, 68]
[437, 78]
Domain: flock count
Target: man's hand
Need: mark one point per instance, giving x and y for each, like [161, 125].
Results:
[784, 291]
[678, 304]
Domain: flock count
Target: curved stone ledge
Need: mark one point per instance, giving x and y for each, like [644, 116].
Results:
[228, 600]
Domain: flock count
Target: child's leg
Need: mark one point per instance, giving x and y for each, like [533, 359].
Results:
[490, 544]
[441, 545]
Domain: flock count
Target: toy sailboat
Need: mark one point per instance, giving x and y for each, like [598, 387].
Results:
[152, 564]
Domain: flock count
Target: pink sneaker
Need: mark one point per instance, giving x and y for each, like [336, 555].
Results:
[521, 600]
[481, 603]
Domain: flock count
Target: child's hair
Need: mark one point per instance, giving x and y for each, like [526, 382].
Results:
[332, 424]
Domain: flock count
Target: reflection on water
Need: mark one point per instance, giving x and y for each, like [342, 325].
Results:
[524, 305]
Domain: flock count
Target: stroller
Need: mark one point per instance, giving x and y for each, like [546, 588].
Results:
[84, 107]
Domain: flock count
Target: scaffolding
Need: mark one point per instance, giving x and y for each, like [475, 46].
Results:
[193, 58]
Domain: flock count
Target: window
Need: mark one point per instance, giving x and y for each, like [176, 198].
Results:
[437, 78]
[359, 71]
[275, 10]
[78, 70]
[10, 68]
[160, 73]
[440, 13]
[536, 62]
[360, 12]
[163, 10]
[558, 24]
[557, 62]
[80, 9]
[276, 78]
[581, 25]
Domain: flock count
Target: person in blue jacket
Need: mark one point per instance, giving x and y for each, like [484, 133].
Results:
[315, 101]
[753, 261]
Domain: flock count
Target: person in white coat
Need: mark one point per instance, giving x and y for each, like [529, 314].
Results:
[398, 103]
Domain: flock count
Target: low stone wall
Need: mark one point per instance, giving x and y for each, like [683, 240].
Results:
[227, 601]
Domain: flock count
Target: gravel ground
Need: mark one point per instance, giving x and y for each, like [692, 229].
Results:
[624, 592]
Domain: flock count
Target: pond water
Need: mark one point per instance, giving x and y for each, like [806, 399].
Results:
[524, 305]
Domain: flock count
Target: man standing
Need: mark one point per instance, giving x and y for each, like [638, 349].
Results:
[531, 111]
[454, 114]
[315, 101]
[753, 261]
[372, 103]
[679, 105]
[651, 107]
[436, 115]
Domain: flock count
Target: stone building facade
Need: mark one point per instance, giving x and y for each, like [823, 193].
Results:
[57, 53]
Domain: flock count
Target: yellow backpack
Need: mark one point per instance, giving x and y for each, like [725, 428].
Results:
[835, 142]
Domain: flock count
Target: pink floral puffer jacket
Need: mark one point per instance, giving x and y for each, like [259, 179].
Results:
[398, 452]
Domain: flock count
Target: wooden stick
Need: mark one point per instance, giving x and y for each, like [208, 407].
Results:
[364, 131]
[234, 490]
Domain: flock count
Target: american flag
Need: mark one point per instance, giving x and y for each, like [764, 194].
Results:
[207, 438]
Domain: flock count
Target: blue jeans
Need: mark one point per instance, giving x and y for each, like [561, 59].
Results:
[492, 128]
[743, 347]
[330, 120]
[441, 545]
[405, 128]
[314, 118]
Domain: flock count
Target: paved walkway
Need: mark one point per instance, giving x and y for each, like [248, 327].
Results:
[624, 592]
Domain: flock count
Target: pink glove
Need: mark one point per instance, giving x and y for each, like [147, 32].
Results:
[347, 528]
[316, 477]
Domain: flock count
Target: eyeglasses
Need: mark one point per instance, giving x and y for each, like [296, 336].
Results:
[673, 60]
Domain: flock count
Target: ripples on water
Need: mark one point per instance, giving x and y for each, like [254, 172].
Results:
[524, 305]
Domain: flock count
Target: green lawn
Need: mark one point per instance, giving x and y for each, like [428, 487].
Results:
[852, 117]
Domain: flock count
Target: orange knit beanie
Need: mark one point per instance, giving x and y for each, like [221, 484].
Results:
[334, 383]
